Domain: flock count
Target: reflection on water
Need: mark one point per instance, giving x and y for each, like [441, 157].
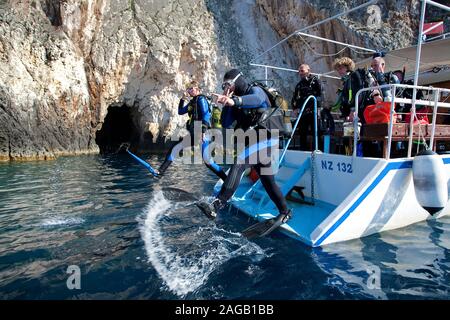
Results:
[135, 239]
[412, 262]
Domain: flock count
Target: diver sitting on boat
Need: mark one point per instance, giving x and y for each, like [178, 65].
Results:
[246, 104]
[376, 76]
[198, 109]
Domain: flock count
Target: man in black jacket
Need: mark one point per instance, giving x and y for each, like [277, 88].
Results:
[307, 86]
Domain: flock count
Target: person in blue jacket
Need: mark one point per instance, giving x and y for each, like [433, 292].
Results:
[244, 104]
[198, 109]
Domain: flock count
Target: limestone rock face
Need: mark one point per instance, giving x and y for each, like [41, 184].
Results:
[385, 26]
[44, 99]
[63, 63]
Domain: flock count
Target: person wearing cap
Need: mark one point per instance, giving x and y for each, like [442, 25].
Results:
[198, 109]
[243, 106]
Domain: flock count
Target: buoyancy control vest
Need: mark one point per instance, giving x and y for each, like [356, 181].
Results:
[195, 114]
[305, 88]
[277, 117]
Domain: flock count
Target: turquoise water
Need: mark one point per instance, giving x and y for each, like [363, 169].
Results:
[133, 239]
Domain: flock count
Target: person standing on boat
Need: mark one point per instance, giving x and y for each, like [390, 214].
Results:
[198, 109]
[352, 83]
[307, 86]
[377, 77]
[243, 105]
[380, 77]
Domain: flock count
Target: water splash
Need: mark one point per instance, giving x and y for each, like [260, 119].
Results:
[185, 267]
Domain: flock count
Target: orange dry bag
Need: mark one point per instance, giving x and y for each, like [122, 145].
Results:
[378, 113]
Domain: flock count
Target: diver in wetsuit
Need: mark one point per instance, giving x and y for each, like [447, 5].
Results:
[307, 86]
[198, 109]
[245, 106]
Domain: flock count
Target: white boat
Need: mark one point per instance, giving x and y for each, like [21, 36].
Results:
[349, 197]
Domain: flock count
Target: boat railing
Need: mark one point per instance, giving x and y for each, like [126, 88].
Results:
[434, 103]
[294, 128]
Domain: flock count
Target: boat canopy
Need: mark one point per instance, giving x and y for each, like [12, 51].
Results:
[434, 61]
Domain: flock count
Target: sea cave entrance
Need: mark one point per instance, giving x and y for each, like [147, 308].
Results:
[118, 127]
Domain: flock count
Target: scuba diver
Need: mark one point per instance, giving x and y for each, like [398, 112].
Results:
[198, 109]
[307, 86]
[245, 104]
[352, 83]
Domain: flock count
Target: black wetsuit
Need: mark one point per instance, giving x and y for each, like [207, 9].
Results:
[306, 87]
[245, 112]
[352, 83]
[408, 93]
[198, 110]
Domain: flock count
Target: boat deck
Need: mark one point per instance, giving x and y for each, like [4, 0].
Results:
[305, 217]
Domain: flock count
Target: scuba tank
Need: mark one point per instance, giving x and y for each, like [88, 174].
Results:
[278, 116]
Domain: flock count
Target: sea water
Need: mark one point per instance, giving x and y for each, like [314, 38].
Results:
[132, 236]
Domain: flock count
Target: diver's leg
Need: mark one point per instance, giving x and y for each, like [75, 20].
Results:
[170, 157]
[218, 171]
[303, 132]
[273, 190]
[249, 157]
[232, 182]
[311, 131]
[265, 227]
[229, 186]
[209, 162]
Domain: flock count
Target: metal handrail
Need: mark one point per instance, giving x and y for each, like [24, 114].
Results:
[413, 102]
[296, 124]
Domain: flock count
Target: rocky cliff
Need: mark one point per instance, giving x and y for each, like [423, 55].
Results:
[385, 26]
[64, 63]
[79, 74]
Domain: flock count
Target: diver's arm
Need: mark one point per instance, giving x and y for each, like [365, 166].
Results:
[257, 99]
[182, 107]
[294, 97]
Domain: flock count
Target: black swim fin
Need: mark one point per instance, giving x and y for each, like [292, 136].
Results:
[210, 209]
[264, 228]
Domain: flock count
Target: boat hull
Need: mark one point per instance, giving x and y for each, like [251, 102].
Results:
[353, 197]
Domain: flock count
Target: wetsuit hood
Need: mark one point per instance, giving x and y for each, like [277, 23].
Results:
[241, 85]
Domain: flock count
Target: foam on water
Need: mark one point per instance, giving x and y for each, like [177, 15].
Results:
[184, 271]
[60, 221]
